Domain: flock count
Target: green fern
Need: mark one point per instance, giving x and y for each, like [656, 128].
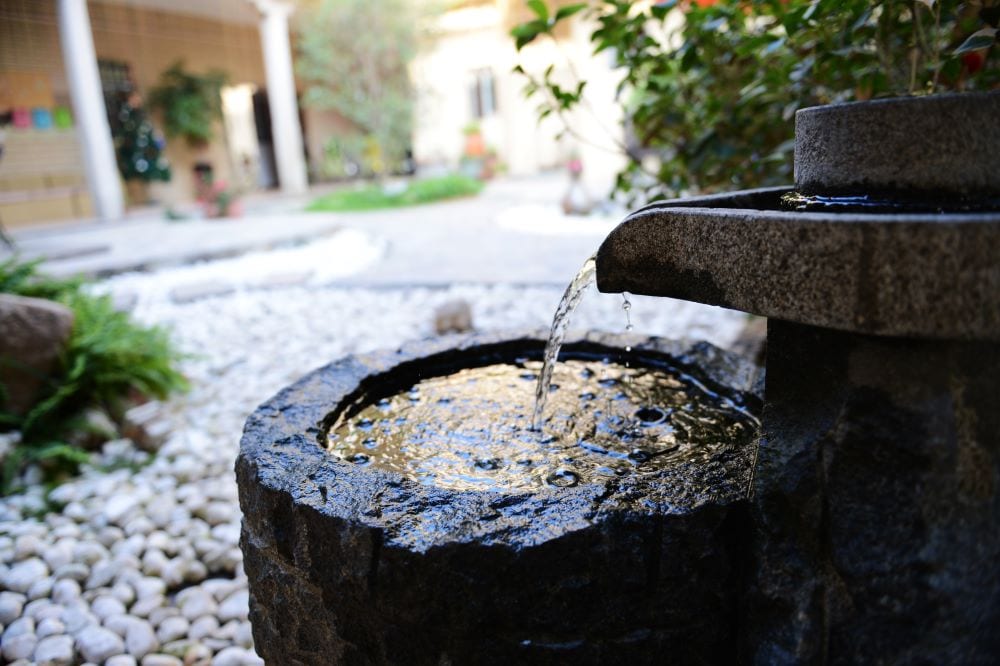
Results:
[108, 358]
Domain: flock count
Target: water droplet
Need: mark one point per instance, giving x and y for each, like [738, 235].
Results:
[384, 403]
[488, 464]
[651, 416]
[365, 424]
[562, 478]
[553, 388]
[530, 376]
[358, 459]
[370, 443]
[525, 462]
[639, 456]
[586, 373]
[588, 395]
[400, 420]
[628, 349]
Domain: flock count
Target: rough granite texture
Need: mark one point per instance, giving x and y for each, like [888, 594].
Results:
[941, 144]
[877, 502]
[352, 564]
[913, 275]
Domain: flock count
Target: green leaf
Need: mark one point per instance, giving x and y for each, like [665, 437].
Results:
[661, 9]
[526, 33]
[540, 9]
[569, 10]
[980, 39]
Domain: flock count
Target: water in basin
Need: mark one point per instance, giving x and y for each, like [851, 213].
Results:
[472, 429]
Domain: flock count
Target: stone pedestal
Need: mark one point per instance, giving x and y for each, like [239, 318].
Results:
[876, 508]
[876, 517]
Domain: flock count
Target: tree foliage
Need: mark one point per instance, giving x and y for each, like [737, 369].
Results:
[354, 56]
[710, 88]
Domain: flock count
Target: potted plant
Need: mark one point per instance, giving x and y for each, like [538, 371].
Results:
[138, 149]
[189, 103]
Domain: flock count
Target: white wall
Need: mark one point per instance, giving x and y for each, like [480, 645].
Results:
[474, 38]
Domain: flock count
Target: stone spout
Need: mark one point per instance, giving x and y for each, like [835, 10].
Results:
[929, 276]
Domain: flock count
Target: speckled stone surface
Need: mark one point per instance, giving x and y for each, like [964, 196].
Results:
[352, 564]
[944, 144]
[913, 275]
[876, 506]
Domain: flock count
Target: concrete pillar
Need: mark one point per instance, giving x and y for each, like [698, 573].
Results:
[89, 110]
[285, 128]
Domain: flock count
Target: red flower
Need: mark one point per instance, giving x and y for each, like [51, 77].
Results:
[973, 61]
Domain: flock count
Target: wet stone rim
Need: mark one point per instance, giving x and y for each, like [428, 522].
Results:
[281, 450]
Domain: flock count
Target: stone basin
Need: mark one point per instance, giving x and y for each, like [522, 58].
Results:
[362, 565]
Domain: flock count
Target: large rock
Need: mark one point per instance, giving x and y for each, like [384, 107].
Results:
[33, 332]
[361, 565]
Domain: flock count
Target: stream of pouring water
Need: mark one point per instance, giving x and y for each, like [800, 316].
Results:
[571, 298]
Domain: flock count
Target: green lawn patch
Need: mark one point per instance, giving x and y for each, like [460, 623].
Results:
[373, 197]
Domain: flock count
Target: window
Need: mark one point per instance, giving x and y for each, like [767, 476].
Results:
[483, 93]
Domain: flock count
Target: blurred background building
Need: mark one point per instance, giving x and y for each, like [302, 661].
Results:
[82, 137]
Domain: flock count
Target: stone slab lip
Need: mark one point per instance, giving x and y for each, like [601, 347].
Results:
[280, 450]
[944, 144]
[908, 275]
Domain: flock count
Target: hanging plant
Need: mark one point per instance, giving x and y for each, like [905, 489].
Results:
[189, 102]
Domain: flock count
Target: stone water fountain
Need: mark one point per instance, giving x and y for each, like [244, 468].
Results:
[854, 517]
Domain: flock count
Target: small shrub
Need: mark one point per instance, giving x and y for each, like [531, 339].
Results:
[710, 88]
[108, 358]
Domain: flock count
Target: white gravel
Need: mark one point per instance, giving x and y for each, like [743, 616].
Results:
[144, 566]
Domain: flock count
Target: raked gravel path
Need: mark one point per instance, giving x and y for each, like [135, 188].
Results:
[143, 567]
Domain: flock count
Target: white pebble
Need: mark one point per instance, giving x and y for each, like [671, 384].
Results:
[147, 587]
[11, 605]
[140, 639]
[77, 618]
[145, 606]
[161, 660]
[27, 545]
[19, 647]
[74, 571]
[59, 554]
[65, 590]
[118, 505]
[97, 644]
[105, 606]
[102, 574]
[41, 588]
[172, 628]
[235, 607]
[20, 627]
[123, 592]
[50, 611]
[244, 635]
[198, 654]
[121, 660]
[234, 656]
[50, 626]
[203, 627]
[89, 553]
[24, 574]
[119, 623]
[54, 651]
